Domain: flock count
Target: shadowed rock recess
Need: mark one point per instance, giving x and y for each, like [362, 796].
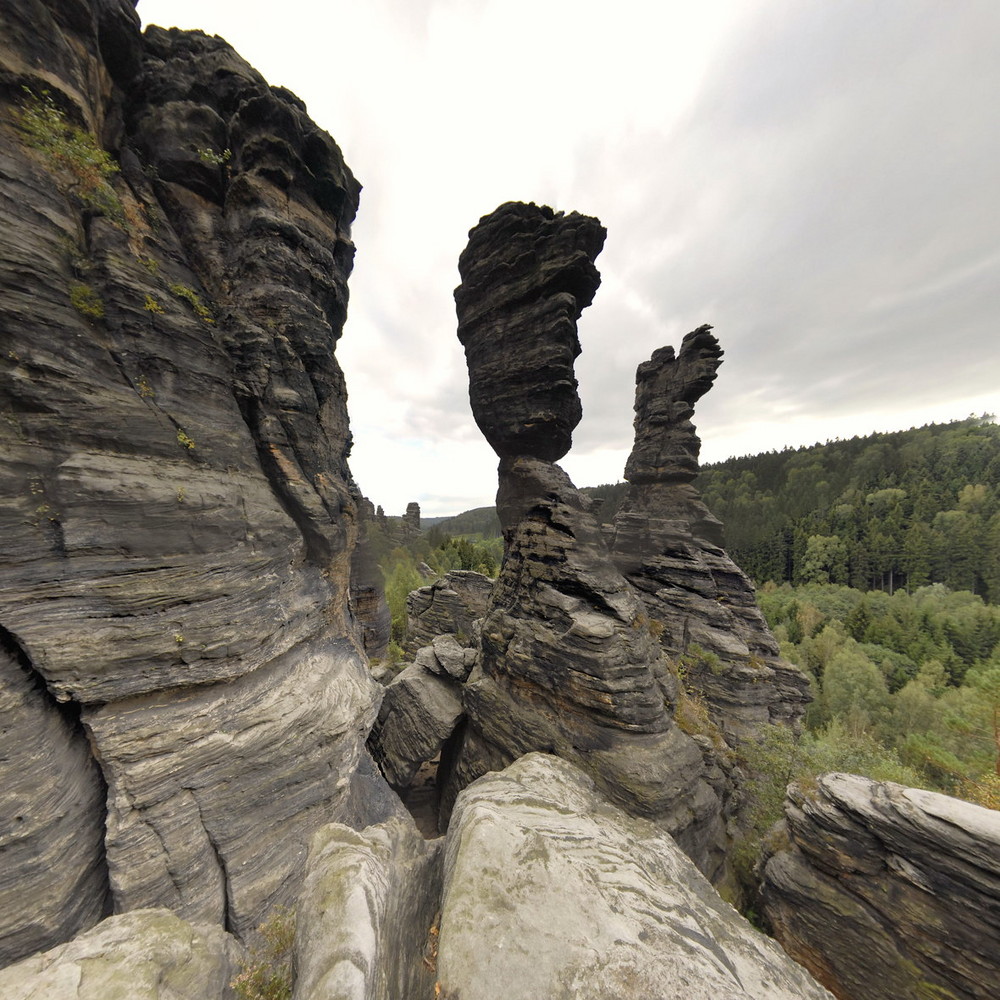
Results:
[183, 696]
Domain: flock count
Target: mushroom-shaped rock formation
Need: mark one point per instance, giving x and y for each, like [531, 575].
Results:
[527, 274]
[568, 663]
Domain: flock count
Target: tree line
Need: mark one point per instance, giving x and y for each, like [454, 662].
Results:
[883, 512]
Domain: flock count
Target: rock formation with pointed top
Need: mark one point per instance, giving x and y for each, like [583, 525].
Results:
[670, 547]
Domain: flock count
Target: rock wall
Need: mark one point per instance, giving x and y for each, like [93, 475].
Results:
[885, 892]
[180, 658]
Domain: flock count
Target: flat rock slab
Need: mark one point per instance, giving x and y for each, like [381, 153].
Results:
[552, 892]
[142, 955]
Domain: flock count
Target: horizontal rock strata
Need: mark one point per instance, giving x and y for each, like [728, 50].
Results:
[449, 606]
[567, 663]
[886, 892]
[526, 269]
[670, 548]
[550, 891]
[175, 503]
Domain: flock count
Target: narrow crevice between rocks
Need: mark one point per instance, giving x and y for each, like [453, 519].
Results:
[70, 712]
[227, 903]
[318, 550]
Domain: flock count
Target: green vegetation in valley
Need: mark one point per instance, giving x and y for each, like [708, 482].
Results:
[400, 554]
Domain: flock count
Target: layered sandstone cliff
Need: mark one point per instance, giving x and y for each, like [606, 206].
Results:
[670, 548]
[184, 697]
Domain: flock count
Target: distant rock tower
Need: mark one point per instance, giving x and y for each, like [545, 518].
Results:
[411, 519]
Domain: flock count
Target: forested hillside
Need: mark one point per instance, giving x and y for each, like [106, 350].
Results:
[883, 512]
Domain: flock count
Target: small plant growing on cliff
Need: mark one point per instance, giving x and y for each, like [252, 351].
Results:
[151, 305]
[86, 301]
[72, 152]
[184, 440]
[216, 159]
[193, 299]
[267, 972]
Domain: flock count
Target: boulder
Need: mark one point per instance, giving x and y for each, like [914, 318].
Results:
[419, 712]
[550, 891]
[142, 955]
[885, 892]
[366, 920]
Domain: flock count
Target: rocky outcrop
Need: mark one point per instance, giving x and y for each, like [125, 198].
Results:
[549, 891]
[143, 955]
[366, 921]
[567, 660]
[526, 269]
[175, 503]
[418, 714]
[449, 606]
[670, 548]
[886, 892]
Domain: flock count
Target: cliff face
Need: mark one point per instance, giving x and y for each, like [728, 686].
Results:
[176, 639]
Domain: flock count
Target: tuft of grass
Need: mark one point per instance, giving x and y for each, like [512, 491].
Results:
[151, 305]
[86, 301]
[184, 440]
[193, 299]
[267, 971]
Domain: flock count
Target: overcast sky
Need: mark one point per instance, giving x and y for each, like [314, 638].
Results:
[818, 180]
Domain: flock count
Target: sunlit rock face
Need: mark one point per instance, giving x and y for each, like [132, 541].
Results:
[527, 274]
[883, 891]
[670, 547]
[567, 661]
[175, 503]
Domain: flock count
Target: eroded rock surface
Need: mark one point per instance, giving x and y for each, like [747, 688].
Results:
[886, 892]
[567, 660]
[143, 955]
[670, 547]
[366, 922]
[550, 891]
[175, 504]
[526, 270]
[449, 606]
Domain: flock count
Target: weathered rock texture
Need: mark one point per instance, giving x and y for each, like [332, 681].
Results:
[526, 270]
[552, 892]
[449, 606]
[177, 514]
[886, 892]
[568, 663]
[366, 921]
[143, 955]
[670, 547]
